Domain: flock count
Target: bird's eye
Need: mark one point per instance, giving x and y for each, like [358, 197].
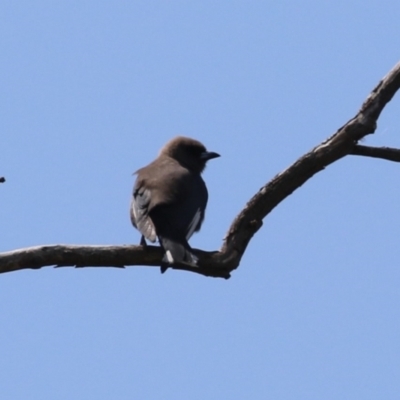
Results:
[196, 151]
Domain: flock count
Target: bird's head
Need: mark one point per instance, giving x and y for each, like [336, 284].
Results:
[189, 152]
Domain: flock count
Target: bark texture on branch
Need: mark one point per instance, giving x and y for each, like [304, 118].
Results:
[248, 222]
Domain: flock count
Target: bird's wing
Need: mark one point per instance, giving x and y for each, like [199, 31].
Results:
[194, 224]
[183, 214]
[139, 213]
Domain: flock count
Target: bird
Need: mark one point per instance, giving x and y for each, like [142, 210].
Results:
[170, 198]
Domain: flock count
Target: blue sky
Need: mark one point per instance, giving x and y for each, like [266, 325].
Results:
[90, 91]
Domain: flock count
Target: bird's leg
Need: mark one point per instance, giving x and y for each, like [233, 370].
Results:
[143, 241]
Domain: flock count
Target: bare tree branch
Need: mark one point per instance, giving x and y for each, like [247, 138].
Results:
[337, 146]
[248, 222]
[386, 153]
[93, 256]
[101, 256]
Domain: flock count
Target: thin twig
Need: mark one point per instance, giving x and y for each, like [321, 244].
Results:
[386, 153]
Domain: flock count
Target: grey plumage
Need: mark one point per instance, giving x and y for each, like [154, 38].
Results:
[170, 198]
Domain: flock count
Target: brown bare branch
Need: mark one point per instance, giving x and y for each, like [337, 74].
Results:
[247, 223]
[101, 256]
[337, 146]
[386, 153]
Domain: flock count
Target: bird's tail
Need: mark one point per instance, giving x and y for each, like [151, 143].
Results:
[176, 252]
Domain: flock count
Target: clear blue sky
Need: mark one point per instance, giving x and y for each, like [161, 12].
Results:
[90, 91]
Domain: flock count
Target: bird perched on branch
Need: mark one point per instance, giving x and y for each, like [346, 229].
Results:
[170, 198]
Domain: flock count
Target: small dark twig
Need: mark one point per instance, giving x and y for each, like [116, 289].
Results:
[386, 153]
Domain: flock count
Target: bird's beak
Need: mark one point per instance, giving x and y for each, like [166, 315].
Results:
[208, 155]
